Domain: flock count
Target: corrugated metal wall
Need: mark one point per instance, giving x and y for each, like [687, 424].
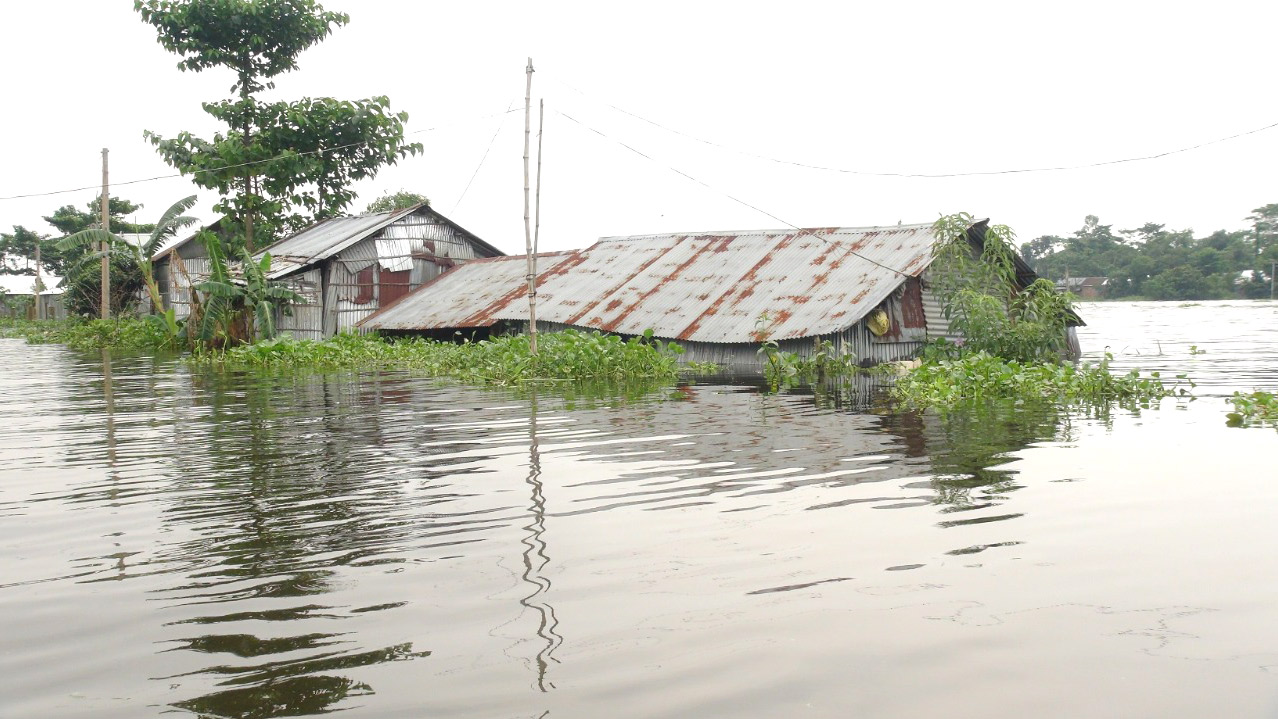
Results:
[903, 341]
[933, 309]
[53, 307]
[305, 320]
[175, 289]
[744, 356]
[406, 254]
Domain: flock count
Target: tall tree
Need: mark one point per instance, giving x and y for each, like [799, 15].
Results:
[18, 252]
[278, 164]
[1264, 225]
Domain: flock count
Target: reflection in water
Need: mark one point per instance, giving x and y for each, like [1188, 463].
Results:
[275, 520]
[969, 451]
[535, 557]
[232, 545]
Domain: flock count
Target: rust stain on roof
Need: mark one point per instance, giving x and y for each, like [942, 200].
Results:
[707, 287]
[491, 313]
[748, 290]
[643, 266]
[611, 325]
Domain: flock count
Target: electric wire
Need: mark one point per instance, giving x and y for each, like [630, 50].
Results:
[509, 109]
[918, 175]
[677, 171]
[237, 166]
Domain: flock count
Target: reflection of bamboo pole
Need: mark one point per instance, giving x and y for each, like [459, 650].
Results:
[108, 399]
[535, 545]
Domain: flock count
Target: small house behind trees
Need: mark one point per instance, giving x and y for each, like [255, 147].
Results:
[18, 297]
[345, 268]
[1087, 288]
[718, 294]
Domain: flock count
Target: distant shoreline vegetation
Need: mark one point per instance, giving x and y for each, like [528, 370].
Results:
[1155, 263]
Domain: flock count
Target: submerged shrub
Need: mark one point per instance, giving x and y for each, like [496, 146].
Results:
[980, 376]
[566, 355]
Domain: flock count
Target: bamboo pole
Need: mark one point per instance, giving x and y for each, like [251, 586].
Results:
[532, 277]
[541, 123]
[105, 297]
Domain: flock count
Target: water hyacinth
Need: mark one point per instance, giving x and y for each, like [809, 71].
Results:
[566, 355]
[980, 376]
[125, 333]
[1255, 409]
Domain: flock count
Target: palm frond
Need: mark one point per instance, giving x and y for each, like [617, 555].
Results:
[91, 237]
[266, 319]
[170, 222]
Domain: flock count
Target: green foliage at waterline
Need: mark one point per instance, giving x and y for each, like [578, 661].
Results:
[128, 334]
[567, 355]
[1256, 409]
[980, 376]
[1015, 336]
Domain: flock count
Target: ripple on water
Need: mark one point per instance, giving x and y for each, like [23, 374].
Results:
[232, 545]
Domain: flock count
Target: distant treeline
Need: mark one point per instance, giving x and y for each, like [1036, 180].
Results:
[1152, 262]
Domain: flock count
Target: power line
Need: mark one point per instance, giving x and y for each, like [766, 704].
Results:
[922, 175]
[237, 166]
[737, 200]
[509, 109]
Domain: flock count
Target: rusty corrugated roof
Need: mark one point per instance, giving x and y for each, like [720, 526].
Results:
[459, 297]
[707, 287]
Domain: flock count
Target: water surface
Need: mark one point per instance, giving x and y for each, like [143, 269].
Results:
[387, 545]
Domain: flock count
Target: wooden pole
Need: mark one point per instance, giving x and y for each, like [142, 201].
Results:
[35, 290]
[106, 227]
[532, 277]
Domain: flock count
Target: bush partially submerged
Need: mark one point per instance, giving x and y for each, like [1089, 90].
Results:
[567, 355]
[980, 376]
[1014, 337]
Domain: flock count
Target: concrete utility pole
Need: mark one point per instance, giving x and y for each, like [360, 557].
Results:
[106, 227]
[532, 262]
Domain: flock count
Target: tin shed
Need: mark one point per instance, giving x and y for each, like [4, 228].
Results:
[719, 294]
[348, 267]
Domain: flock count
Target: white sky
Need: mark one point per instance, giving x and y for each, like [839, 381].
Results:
[880, 86]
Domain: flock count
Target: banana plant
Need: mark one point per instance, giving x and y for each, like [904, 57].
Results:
[240, 307]
[168, 225]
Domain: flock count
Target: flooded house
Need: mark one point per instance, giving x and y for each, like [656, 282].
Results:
[344, 268]
[21, 298]
[718, 294]
[1086, 288]
[179, 264]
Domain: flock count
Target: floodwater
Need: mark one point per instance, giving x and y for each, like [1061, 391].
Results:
[395, 546]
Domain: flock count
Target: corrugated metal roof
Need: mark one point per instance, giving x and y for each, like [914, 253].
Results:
[708, 287]
[172, 244]
[25, 284]
[453, 298]
[324, 239]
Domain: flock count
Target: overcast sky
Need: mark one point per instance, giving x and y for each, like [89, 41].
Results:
[889, 87]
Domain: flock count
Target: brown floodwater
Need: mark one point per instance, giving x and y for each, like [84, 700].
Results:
[386, 545]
